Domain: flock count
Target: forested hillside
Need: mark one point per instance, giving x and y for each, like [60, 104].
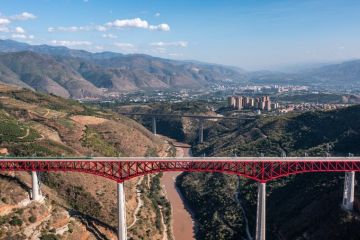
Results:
[311, 202]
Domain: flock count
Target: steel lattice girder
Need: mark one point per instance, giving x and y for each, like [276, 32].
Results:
[261, 171]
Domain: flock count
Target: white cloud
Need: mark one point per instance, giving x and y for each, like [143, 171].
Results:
[77, 29]
[128, 47]
[157, 14]
[19, 30]
[69, 29]
[100, 28]
[71, 43]
[109, 35]
[161, 27]
[129, 23]
[22, 36]
[118, 23]
[4, 21]
[4, 29]
[23, 16]
[183, 44]
[137, 23]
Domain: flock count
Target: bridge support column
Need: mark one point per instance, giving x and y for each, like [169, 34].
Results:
[261, 212]
[36, 195]
[201, 130]
[122, 229]
[154, 125]
[349, 189]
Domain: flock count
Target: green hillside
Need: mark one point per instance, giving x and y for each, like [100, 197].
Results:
[294, 134]
[299, 207]
[46, 125]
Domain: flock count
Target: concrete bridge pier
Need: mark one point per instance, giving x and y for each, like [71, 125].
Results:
[122, 228]
[154, 125]
[349, 190]
[201, 130]
[36, 194]
[261, 212]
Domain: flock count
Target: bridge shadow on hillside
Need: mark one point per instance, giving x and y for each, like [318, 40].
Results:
[17, 181]
[90, 223]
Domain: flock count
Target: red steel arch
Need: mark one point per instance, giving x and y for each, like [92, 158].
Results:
[122, 169]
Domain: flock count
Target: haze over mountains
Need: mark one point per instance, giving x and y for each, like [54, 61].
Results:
[78, 74]
[345, 74]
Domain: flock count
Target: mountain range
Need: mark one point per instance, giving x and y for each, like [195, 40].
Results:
[80, 74]
[345, 74]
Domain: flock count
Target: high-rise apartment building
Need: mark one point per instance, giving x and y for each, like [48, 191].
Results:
[239, 103]
[243, 102]
[231, 101]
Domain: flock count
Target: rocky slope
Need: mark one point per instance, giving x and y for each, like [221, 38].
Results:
[65, 72]
[79, 74]
[299, 207]
[225, 206]
[294, 134]
[181, 129]
[45, 125]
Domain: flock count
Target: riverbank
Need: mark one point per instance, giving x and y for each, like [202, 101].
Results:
[182, 221]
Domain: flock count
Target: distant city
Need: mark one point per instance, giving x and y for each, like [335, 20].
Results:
[260, 103]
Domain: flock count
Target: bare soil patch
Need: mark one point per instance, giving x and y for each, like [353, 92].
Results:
[88, 120]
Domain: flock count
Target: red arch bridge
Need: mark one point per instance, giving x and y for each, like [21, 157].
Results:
[262, 170]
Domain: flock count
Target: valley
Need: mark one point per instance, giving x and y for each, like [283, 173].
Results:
[179, 120]
[155, 203]
[110, 76]
[71, 129]
[218, 214]
[183, 225]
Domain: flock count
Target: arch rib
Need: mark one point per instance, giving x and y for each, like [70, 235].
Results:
[123, 169]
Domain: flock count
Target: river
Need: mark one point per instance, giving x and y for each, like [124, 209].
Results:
[182, 221]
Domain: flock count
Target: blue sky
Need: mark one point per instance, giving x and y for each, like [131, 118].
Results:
[252, 34]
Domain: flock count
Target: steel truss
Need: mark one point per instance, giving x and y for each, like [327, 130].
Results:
[120, 171]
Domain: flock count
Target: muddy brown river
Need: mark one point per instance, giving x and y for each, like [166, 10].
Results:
[182, 222]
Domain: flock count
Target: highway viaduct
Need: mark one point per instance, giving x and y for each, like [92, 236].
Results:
[201, 119]
[260, 169]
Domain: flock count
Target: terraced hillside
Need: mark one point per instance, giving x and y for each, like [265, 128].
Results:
[77, 206]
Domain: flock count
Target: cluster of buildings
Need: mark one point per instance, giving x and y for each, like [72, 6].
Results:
[242, 102]
[310, 107]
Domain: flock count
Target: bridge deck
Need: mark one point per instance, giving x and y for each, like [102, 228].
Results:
[188, 116]
[185, 159]
[260, 169]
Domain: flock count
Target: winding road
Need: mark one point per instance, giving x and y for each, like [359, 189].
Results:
[140, 202]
